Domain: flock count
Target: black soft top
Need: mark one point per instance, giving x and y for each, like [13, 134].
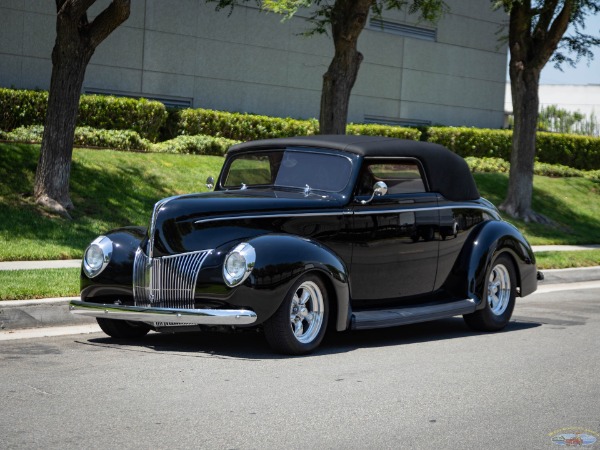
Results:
[446, 172]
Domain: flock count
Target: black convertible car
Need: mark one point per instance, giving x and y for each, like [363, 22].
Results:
[306, 234]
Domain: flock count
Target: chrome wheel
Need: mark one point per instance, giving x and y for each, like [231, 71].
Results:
[306, 312]
[498, 297]
[498, 289]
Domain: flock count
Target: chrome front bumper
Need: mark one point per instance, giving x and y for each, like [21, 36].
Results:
[164, 315]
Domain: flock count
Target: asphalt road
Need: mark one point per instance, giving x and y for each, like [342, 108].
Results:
[430, 386]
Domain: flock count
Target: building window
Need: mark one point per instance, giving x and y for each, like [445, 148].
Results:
[404, 30]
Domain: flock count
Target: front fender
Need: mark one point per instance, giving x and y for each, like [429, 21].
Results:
[489, 239]
[280, 260]
[117, 278]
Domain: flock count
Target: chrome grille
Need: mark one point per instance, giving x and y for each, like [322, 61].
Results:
[168, 281]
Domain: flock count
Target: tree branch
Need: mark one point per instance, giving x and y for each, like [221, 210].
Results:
[73, 8]
[108, 20]
[546, 13]
[546, 47]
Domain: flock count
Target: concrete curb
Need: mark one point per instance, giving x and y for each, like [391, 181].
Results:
[19, 314]
[46, 312]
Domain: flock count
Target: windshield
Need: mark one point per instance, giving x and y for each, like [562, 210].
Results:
[289, 169]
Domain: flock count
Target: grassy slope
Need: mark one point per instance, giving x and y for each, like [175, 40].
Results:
[572, 203]
[112, 189]
[109, 189]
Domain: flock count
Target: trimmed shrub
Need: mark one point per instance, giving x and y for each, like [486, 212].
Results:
[499, 165]
[580, 152]
[85, 137]
[22, 108]
[493, 165]
[196, 145]
[473, 141]
[383, 130]
[241, 127]
[146, 117]
[31, 135]
[117, 139]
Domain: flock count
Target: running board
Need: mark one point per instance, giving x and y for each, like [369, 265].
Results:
[382, 318]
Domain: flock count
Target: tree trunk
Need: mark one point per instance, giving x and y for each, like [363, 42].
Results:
[69, 61]
[348, 19]
[525, 98]
[76, 41]
[337, 87]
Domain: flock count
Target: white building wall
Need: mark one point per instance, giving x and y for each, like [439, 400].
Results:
[185, 51]
[582, 98]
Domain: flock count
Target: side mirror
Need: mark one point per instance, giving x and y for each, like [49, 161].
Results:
[210, 183]
[379, 190]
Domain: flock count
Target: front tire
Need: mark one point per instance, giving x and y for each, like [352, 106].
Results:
[123, 329]
[298, 326]
[500, 294]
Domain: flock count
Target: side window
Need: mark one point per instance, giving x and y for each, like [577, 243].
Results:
[401, 177]
[249, 170]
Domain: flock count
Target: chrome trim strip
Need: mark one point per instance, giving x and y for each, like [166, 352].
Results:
[348, 212]
[159, 204]
[273, 216]
[392, 211]
[167, 315]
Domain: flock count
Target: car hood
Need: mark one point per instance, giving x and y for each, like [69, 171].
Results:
[208, 220]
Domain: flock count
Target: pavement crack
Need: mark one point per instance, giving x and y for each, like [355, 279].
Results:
[39, 391]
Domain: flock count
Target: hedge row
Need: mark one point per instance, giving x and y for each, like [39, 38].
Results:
[241, 127]
[22, 108]
[127, 140]
[151, 120]
[499, 165]
[580, 152]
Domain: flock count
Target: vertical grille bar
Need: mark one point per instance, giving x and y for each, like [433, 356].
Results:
[166, 282]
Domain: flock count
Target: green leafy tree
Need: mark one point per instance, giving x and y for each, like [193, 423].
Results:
[537, 33]
[344, 20]
[76, 41]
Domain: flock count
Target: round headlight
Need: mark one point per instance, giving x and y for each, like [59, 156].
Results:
[94, 257]
[97, 256]
[239, 262]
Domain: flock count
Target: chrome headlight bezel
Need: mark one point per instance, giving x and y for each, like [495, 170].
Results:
[244, 257]
[97, 256]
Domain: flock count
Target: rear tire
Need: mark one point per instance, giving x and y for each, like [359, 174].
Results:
[499, 297]
[123, 329]
[298, 326]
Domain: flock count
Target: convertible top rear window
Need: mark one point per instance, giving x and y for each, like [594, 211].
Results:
[290, 168]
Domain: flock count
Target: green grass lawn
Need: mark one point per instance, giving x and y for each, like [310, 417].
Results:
[572, 203]
[110, 189]
[41, 283]
[563, 260]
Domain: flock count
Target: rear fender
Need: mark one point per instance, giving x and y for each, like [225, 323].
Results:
[489, 239]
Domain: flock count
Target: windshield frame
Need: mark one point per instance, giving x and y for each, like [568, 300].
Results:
[351, 164]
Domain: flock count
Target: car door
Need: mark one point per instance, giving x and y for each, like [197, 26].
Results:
[395, 249]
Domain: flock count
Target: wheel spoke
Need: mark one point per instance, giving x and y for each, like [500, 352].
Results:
[305, 297]
[298, 328]
[310, 318]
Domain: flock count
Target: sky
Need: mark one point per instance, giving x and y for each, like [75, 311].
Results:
[582, 73]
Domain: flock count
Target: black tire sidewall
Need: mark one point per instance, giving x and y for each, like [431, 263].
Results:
[484, 319]
[278, 330]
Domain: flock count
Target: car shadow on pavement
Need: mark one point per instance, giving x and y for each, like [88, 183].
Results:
[251, 345]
